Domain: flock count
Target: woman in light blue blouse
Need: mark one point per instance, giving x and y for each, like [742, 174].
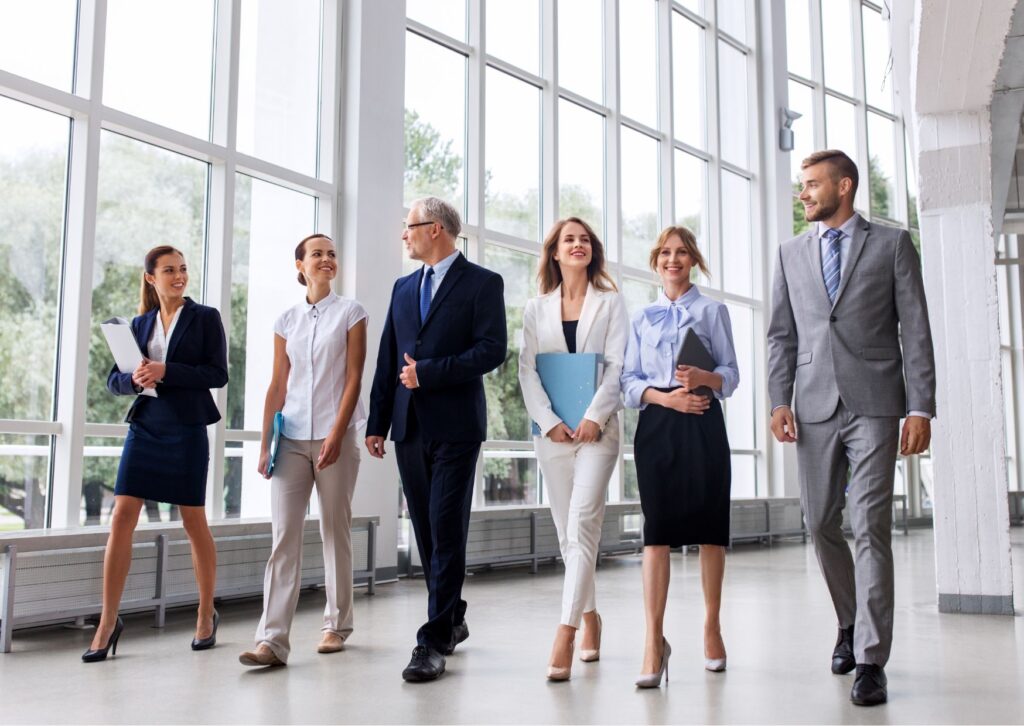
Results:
[681, 447]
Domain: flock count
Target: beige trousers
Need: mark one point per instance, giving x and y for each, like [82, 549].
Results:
[291, 486]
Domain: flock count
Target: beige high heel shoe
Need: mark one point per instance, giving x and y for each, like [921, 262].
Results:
[589, 656]
[559, 673]
[653, 680]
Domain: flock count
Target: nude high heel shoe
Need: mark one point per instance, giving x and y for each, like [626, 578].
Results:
[559, 673]
[589, 656]
[653, 680]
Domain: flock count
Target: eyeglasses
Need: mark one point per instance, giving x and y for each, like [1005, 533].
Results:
[408, 226]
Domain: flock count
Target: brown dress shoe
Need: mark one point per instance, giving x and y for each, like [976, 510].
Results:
[330, 643]
[262, 656]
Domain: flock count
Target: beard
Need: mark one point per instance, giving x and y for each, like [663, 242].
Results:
[824, 208]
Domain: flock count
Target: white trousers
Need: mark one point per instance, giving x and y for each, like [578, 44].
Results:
[291, 486]
[576, 481]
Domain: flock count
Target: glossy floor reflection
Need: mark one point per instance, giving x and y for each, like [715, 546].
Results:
[778, 626]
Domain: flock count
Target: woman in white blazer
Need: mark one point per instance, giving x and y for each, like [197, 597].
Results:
[579, 311]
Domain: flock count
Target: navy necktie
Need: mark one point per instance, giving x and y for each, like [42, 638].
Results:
[830, 264]
[425, 294]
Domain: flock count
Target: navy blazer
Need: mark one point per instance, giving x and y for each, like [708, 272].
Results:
[462, 338]
[196, 362]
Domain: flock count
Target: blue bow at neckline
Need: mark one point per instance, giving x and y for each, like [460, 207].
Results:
[664, 322]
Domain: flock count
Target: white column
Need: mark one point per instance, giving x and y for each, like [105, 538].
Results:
[972, 541]
[372, 160]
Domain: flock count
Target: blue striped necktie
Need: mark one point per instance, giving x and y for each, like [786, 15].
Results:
[425, 294]
[830, 264]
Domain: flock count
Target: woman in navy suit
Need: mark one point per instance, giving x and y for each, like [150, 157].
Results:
[166, 453]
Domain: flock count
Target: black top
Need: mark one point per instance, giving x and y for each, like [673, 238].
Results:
[569, 330]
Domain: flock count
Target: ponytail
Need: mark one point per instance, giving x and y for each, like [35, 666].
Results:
[148, 299]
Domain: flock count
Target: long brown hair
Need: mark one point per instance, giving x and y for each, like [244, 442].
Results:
[689, 242]
[300, 252]
[148, 299]
[549, 274]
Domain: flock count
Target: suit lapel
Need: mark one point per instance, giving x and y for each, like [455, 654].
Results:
[860, 235]
[450, 278]
[188, 314]
[551, 322]
[592, 304]
[812, 250]
[146, 330]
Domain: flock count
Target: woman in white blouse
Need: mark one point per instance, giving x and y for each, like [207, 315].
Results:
[319, 350]
[580, 311]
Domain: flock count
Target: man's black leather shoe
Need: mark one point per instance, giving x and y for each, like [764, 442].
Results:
[459, 633]
[426, 665]
[842, 657]
[869, 688]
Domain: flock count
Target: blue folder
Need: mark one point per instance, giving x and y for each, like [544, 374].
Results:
[570, 380]
[275, 440]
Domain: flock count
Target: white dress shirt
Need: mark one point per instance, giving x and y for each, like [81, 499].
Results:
[158, 340]
[317, 347]
[440, 270]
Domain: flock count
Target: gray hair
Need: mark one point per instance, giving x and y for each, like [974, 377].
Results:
[440, 211]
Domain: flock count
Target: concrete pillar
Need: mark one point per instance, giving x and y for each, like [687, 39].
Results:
[972, 542]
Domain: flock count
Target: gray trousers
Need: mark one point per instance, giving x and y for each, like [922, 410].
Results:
[851, 460]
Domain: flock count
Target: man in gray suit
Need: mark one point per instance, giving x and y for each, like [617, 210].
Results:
[844, 295]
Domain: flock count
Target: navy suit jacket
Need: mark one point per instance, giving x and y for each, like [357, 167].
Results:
[196, 362]
[462, 338]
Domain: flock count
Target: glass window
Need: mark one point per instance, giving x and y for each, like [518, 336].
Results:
[448, 16]
[691, 195]
[161, 71]
[911, 184]
[435, 121]
[737, 249]
[507, 419]
[732, 18]
[837, 40]
[37, 41]
[513, 32]
[740, 409]
[146, 196]
[581, 47]
[638, 60]
[637, 295]
[269, 221]
[581, 145]
[801, 100]
[512, 187]
[639, 196]
[279, 83]
[882, 166]
[630, 484]
[33, 174]
[510, 479]
[733, 125]
[24, 480]
[877, 60]
[840, 126]
[688, 94]
[744, 476]
[696, 6]
[798, 38]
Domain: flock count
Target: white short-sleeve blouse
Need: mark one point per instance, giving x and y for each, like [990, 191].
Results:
[317, 345]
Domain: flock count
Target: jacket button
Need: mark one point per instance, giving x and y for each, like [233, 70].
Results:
[419, 342]
[832, 318]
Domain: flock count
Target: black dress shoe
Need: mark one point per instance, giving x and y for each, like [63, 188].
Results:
[842, 657]
[211, 640]
[459, 634]
[426, 665]
[869, 688]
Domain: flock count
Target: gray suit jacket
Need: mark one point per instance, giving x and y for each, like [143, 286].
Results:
[851, 350]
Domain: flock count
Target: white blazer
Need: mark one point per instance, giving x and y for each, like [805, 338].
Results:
[603, 328]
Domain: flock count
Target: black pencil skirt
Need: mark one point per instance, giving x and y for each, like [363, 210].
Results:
[683, 469]
[166, 462]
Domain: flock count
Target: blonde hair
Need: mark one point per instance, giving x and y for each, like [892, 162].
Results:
[689, 242]
[549, 274]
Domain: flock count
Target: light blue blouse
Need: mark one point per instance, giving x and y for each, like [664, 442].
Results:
[657, 331]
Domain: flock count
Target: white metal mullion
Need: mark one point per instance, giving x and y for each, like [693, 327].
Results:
[666, 147]
[642, 128]
[42, 96]
[220, 223]
[550, 210]
[515, 71]
[1016, 331]
[475, 162]
[587, 103]
[328, 161]
[863, 153]
[25, 427]
[76, 287]
[714, 186]
[700, 20]
[692, 150]
[901, 201]
[425, 31]
[818, 71]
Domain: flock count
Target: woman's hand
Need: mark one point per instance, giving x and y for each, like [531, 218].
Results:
[149, 373]
[329, 450]
[264, 464]
[587, 432]
[692, 377]
[560, 434]
[685, 402]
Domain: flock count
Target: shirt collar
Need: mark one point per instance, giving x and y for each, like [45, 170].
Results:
[443, 266]
[322, 304]
[846, 228]
[686, 299]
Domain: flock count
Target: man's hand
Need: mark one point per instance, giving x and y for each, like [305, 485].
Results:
[691, 377]
[560, 433]
[784, 425]
[375, 445]
[408, 374]
[917, 435]
[587, 432]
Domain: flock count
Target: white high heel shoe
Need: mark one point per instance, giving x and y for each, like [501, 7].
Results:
[715, 665]
[589, 656]
[653, 680]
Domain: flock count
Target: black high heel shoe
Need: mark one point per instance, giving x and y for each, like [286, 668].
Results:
[207, 643]
[93, 656]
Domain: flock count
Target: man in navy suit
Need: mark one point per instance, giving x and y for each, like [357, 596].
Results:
[445, 329]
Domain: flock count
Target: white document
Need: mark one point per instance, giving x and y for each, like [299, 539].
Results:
[121, 341]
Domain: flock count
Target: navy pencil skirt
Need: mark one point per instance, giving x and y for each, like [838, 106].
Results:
[165, 462]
